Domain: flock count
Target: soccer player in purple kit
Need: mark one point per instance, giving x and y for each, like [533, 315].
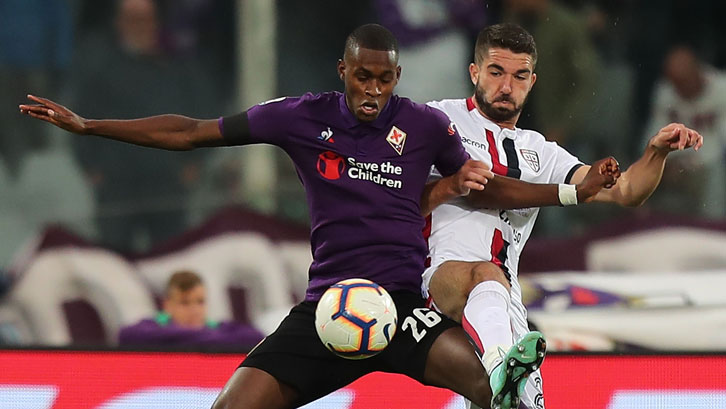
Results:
[364, 157]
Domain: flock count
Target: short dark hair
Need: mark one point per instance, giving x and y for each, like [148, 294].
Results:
[372, 37]
[183, 280]
[508, 36]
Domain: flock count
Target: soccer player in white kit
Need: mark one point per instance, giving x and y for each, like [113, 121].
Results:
[474, 246]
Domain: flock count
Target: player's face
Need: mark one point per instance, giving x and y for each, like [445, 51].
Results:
[187, 308]
[369, 77]
[502, 82]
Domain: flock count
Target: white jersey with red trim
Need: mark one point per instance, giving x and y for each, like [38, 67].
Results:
[460, 232]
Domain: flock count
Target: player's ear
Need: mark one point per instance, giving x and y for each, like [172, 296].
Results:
[534, 79]
[474, 73]
[398, 73]
[341, 69]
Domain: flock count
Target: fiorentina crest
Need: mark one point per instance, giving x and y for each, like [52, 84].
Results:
[531, 158]
[397, 138]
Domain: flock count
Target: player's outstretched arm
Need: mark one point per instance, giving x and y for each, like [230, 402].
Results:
[640, 180]
[171, 132]
[472, 176]
[507, 193]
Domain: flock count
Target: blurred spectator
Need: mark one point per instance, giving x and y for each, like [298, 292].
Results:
[182, 24]
[611, 106]
[142, 195]
[653, 34]
[309, 41]
[204, 30]
[608, 22]
[693, 93]
[435, 39]
[183, 321]
[562, 100]
[35, 47]
[567, 68]
[49, 188]
[40, 183]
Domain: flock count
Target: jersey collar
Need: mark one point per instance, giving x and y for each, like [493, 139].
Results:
[504, 132]
[350, 121]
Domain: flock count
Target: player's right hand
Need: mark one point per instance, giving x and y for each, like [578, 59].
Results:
[604, 173]
[56, 114]
[473, 174]
[676, 136]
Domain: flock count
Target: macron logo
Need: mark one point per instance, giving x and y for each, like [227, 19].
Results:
[326, 136]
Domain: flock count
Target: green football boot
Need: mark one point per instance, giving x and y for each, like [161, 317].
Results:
[507, 380]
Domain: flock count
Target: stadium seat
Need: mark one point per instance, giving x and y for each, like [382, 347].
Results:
[296, 257]
[54, 280]
[14, 329]
[601, 310]
[659, 250]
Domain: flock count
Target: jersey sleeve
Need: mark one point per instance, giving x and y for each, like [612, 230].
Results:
[267, 122]
[565, 164]
[235, 129]
[451, 154]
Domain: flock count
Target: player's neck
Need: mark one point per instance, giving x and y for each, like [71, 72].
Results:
[508, 124]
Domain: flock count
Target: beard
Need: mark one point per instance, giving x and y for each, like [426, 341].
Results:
[497, 114]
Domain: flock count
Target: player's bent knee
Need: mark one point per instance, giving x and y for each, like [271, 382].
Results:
[228, 399]
[487, 271]
[252, 388]
[222, 402]
[448, 289]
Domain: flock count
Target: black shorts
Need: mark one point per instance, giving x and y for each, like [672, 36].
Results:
[294, 354]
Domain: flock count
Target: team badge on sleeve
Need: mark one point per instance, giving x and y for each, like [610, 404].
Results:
[451, 129]
[397, 138]
[531, 158]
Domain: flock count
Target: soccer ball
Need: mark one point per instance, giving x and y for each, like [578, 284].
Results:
[356, 318]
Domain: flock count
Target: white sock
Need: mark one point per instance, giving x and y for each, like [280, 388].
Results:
[486, 320]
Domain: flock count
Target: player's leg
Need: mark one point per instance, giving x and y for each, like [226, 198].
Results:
[289, 368]
[453, 364]
[254, 388]
[531, 398]
[477, 294]
[434, 350]
[509, 378]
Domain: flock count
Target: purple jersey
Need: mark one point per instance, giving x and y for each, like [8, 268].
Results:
[150, 332]
[363, 182]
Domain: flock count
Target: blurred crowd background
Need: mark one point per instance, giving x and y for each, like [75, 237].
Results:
[610, 73]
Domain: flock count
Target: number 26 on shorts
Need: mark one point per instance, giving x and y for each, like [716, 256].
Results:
[426, 317]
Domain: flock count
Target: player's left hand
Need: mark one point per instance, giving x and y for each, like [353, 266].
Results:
[604, 173]
[54, 113]
[676, 136]
[473, 175]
